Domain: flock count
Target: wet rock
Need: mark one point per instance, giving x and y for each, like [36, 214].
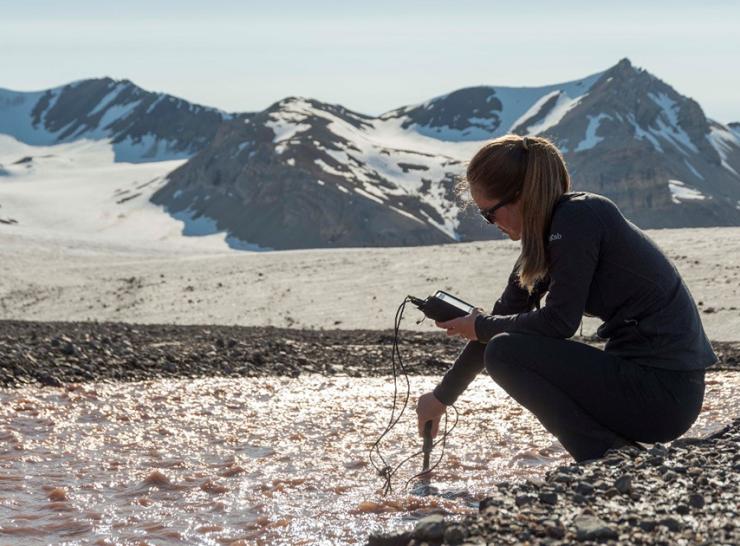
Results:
[389, 539]
[430, 528]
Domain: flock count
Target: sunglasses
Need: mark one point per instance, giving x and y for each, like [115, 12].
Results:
[489, 214]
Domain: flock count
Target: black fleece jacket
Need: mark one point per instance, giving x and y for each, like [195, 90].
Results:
[602, 265]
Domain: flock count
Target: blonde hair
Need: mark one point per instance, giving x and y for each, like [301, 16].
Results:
[528, 169]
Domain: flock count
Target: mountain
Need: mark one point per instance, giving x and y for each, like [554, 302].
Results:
[306, 174]
[653, 151]
[141, 125]
[303, 173]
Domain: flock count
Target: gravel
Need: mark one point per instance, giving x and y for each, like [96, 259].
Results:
[54, 353]
[631, 501]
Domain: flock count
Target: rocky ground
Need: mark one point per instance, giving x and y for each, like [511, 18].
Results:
[683, 493]
[52, 353]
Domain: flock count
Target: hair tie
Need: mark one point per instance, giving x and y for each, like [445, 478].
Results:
[525, 143]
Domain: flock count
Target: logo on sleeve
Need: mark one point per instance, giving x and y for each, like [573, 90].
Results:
[555, 237]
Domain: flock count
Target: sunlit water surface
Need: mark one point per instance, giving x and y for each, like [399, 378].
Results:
[254, 461]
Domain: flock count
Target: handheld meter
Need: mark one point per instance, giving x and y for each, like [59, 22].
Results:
[442, 306]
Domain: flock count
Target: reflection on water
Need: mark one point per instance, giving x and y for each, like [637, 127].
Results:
[252, 461]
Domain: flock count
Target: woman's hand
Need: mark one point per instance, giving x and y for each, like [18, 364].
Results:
[428, 408]
[462, 326]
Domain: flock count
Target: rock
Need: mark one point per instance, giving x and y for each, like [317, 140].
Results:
[592, 528]
[554, 529]
[454, 534]
[696, 500]
[562, 477]
[430, 528]
[658, 449]
[548, 497]
[579, 499]
[682, 509]
[611, 492]
[390, 539]
[647, 524]
[623, 484]
[49, 380]
[656, 460]
[68, 348]
[669, 476]
[613, 461]
[672, 523]
[521, 500]
[584, 488]
[489, 502]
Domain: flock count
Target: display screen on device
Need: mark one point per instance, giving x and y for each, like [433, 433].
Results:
[452, 300]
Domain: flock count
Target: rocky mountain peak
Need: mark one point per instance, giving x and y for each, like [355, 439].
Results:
[141, 125]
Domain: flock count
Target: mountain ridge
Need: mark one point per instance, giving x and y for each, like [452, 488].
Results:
[141, 125]
[303, 173]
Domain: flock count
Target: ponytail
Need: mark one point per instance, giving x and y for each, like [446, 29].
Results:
[533, 168]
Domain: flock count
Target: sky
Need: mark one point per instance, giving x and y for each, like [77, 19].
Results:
[370, 57]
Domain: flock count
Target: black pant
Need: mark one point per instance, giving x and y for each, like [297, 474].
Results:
[589, 398]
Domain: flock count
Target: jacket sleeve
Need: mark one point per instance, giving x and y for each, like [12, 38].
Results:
[573, 249]
[514, 299]
[469, 363]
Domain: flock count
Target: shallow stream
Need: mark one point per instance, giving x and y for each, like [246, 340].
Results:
[255, 461]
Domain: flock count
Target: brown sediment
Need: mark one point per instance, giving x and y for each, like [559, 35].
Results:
[213, 487]
[57, 494]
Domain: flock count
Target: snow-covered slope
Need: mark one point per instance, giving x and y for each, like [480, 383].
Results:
[480, 113]
[76, 192]
[141, 125]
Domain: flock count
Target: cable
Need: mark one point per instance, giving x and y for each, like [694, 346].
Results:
[386, 470]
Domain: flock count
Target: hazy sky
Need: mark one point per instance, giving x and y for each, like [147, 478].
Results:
[244, 55]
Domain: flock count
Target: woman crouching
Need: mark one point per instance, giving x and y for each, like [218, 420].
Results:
[647, 385]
